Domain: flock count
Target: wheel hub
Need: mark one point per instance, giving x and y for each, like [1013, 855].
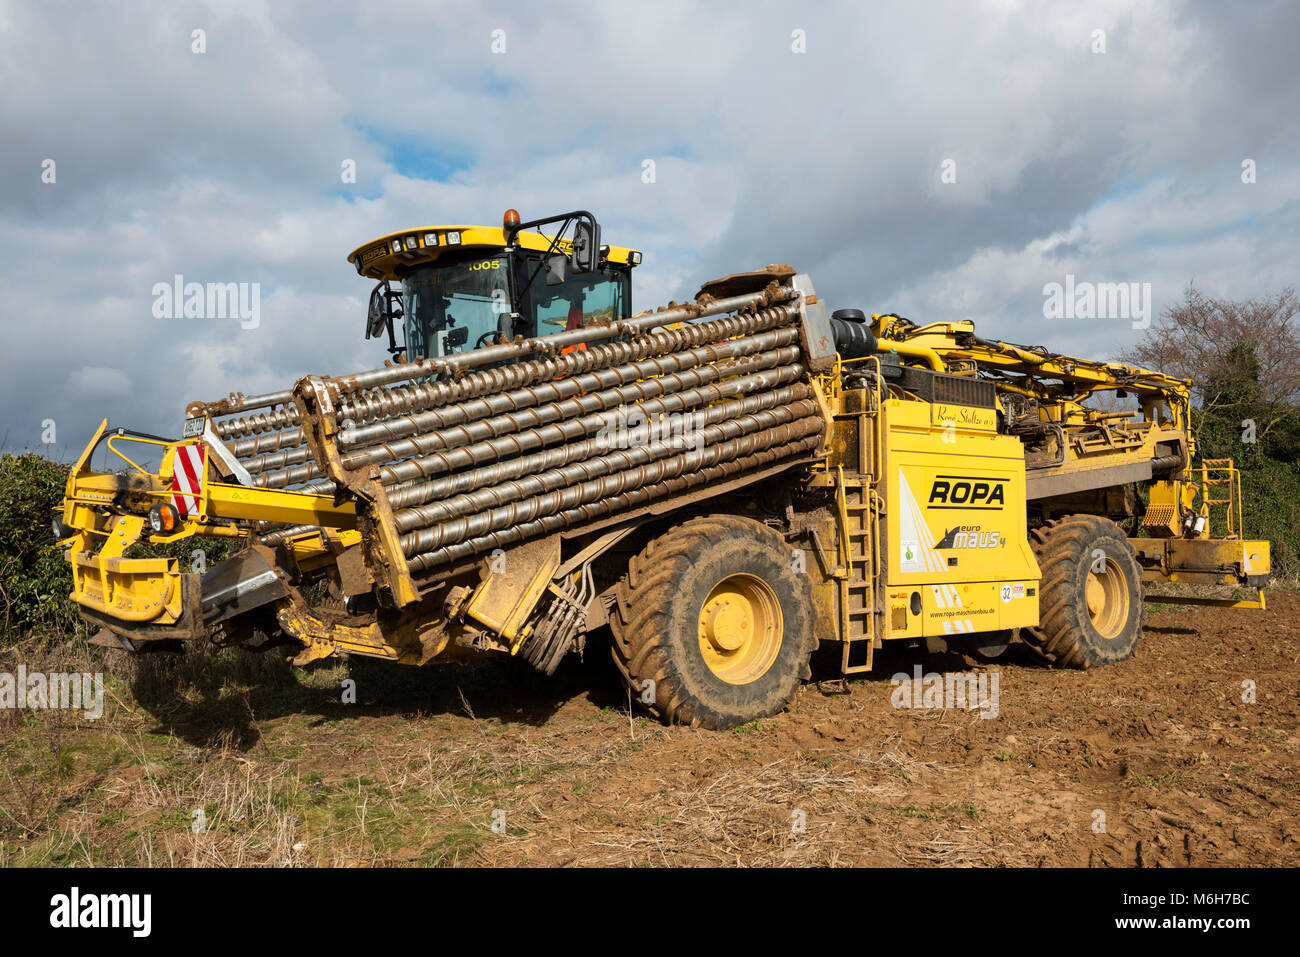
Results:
[740, 628]
[728, 621]
[1107, 600]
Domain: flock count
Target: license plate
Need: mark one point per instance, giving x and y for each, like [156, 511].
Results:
[192, 428]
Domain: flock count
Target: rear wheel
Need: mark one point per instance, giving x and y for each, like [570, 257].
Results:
[1090, 596]
[714, 616]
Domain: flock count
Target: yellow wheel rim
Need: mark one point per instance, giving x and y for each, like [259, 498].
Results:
[1106, 594]
[740, 629]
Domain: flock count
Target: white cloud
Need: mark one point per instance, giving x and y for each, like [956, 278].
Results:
[225, 166]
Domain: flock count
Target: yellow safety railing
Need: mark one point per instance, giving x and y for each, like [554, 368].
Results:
[1217, 478]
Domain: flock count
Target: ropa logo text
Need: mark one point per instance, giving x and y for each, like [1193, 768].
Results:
[953, 491]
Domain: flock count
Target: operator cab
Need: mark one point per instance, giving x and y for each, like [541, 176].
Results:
[466, 287]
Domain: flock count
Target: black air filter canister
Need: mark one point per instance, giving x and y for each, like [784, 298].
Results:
[853, 337]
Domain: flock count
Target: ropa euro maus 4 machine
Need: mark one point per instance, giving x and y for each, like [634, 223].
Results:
[723, 484]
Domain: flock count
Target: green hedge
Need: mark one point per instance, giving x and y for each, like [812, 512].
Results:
[34, 578]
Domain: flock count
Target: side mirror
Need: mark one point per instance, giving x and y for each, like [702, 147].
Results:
[379, 316]
[382, 313]
[556, 270]
[586, 246]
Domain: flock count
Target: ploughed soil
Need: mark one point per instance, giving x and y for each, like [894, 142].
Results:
[1187, 754]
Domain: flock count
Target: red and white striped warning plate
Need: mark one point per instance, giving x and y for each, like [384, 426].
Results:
[187, 478]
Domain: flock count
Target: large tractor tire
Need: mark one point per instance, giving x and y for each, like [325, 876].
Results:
[1090, 596]
[714, 614]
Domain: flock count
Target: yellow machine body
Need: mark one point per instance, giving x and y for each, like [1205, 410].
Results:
[956, 550]
[922, 483]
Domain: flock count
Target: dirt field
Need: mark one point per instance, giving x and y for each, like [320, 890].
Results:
[271, 767]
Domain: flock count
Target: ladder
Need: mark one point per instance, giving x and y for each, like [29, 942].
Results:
[858, 507]
[859, 524]
[1222, 474]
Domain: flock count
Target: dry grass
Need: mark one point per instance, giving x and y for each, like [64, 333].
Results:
[446, 766]
[617, 790]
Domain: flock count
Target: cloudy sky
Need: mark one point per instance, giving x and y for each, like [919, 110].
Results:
[826, 136]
